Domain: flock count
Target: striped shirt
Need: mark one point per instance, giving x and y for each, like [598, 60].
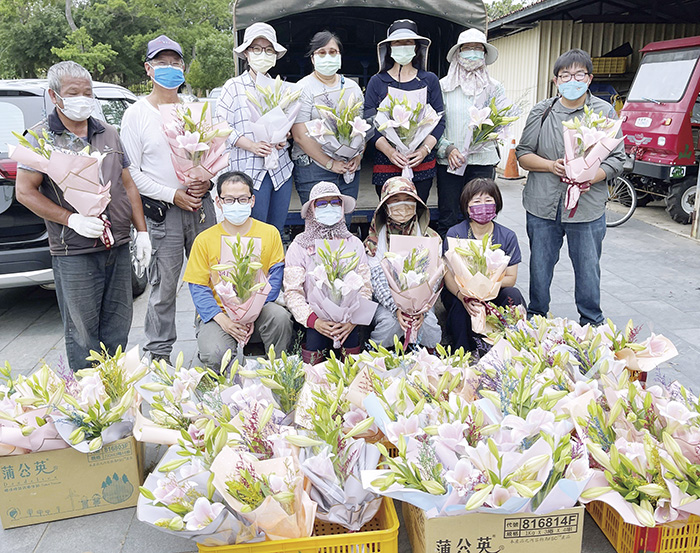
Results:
[457, 120]
[232, 107]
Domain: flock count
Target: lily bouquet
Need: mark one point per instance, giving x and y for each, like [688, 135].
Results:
[99, 407]
[414, 273]
[76, 170]
[335, 287]
[197, 145]
[239, 281]
[406, 119]
[283, 375]
[273, 106]
[587, 143]
[268, 494]
[340, 130]
[333, 458]
[478, 268]
[25, 405]
[486, 125]
[178, 498]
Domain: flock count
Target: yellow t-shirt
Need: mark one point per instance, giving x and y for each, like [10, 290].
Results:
[206, 251]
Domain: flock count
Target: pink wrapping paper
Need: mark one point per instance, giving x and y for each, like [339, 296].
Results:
[414, 97]
[419, 299]
[269, 517]
[580, 170]
[212, 160]
[248, 311]
[353, 307]
[476, 286]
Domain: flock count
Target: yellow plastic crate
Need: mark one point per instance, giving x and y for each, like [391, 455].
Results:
[379, 535]
[628, 538]
[608, 66]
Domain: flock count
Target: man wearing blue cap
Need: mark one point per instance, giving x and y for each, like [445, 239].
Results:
[175, 214]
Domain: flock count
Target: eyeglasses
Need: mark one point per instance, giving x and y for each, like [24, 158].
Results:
[161, 63]
[269, 50]
[323, 53]
[243, 200]
[335, 202]
[566, 77]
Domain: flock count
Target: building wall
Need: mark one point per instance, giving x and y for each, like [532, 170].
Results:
[517, 68]
[526, 58]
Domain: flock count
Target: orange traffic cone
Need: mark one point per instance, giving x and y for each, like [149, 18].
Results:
[511, 171]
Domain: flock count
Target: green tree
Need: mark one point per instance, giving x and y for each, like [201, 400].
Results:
[79, 47]
[214, 63]
[29, 29]
[499, 8]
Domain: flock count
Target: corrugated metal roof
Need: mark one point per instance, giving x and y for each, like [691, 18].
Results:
[597, 11]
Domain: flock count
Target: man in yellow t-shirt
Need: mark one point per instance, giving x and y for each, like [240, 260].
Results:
[216, 332]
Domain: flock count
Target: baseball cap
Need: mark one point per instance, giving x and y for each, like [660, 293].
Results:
[157, 45]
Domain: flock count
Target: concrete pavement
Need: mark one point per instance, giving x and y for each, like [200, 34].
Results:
[650, 274]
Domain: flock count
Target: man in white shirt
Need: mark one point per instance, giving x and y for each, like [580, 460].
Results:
[175, 213]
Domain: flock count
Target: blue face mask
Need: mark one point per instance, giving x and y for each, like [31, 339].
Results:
[168, 77]
[236, 214]
[329, 215]
[573, 89]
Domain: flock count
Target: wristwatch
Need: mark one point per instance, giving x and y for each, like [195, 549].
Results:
[329, 165]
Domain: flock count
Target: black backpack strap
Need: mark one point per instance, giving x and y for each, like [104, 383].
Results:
[545, 114]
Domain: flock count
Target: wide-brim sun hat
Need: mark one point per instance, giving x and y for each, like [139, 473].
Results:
[325, 189]
[474, 35]
[260, 30]
[403, 29]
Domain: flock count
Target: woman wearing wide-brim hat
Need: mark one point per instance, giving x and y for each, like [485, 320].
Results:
[273, 188]
[466, 84]
[403, 58]
[324, 220]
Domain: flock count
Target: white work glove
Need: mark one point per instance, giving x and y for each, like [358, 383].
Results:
[89, 227]
[142, 243]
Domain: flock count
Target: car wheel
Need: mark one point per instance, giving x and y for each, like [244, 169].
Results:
[680, 202]
[139, 276]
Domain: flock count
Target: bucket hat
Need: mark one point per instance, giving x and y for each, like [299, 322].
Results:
[474, 35]
[325, 189]
[257, 30]
[403, 29]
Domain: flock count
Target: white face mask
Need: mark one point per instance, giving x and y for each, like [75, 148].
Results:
[329, 215]
[262, 62]
[77, 108]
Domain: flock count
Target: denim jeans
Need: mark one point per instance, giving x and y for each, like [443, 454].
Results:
[315, 341]
[307, 176]
[271, 206]
[95, 301]
[585, 242]
[449, 189]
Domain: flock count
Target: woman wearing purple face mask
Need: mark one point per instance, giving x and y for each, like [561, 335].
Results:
[480, 202]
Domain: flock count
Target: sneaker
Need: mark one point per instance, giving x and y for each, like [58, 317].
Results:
[158, 357]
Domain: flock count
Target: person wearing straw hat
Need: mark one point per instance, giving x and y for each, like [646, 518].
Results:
[466, 84]
[273, 188]
[323, 213]
[403, 58]
[401, 211]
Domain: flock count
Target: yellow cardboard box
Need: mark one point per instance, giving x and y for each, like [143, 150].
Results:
[53, 485]
[490, 533]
